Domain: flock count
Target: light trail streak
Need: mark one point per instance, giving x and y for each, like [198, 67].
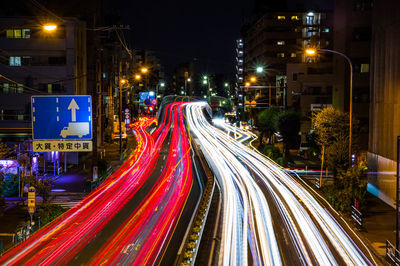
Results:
[143, 237]
[59, 241]
[316, 235]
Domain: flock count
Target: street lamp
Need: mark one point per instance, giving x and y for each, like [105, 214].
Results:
[253, 79]
[313, 52]
[50, 27]
[186, 81]
[259, 69]
[144, 70]
[206, 81]
[122, 82]
[138, 77]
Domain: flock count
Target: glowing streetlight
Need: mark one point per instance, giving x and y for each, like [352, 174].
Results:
[123, 81]
[247, 84]
[259, 69]
[50, 27]
[138, 77]
[144, 70]
[162, 84]
[311, 51]
[226, 84]
[189, 80]
[253, 79]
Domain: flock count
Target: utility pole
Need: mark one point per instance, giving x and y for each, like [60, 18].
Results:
[397, 192]
[120, 106]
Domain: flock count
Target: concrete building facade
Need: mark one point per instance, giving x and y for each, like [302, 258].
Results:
[385, 99]
[352, 37]
[279, 38]
[36, 62]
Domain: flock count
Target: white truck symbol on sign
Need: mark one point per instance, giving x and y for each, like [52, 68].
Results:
[79, 129]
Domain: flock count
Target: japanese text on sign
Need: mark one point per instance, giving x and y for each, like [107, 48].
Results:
[63, 146]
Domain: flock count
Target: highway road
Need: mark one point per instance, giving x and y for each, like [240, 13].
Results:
[131, 216]
[268, 217]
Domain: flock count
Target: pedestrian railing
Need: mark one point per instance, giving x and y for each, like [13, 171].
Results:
[357, 216]
[392, 254]
[95, 184]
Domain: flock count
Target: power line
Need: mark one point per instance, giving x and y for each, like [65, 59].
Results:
[22, 85]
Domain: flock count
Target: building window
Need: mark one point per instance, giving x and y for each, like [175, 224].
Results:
[6, 88]
[26, 33]
[364, 68]
[281, 17]
[310, 20]
[20, 89]
[10, 34]
[13, 88]
[295, 18]
[26, 60]
[15, 61]
[293, 55]
[294, 76]
[363, 5]
[280, 55]
[18, 33]
[280, 42]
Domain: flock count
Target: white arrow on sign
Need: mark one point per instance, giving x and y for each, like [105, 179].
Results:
[73, 106]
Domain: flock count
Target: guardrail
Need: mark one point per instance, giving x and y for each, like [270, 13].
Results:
[192, 241]
[392, 254]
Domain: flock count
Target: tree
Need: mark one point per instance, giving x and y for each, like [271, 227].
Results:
[5, 151]
[332, 128]
[330, 125]
[288, 124]
[266, 121]
[42, 186]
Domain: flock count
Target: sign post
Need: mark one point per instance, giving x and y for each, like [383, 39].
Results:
[31, 201]
[62, 118]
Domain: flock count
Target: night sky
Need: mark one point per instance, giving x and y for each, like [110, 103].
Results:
[180, 31]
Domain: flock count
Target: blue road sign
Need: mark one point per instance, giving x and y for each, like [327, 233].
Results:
[61, 117]
[147, 95]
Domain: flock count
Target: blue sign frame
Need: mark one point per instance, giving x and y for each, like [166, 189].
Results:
[61, 117]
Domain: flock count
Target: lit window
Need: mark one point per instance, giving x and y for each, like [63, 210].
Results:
[295, 18]
[10, 34]
[6, 88]
[280, 42]
[310, 20]
[15, 61]
[293, 54]
[20, 117]
[20, 89]
[49, 88]
[280, 55]
[364, 68]
[26, 33]
[281, 17]
[13, 88]
[17, 33]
